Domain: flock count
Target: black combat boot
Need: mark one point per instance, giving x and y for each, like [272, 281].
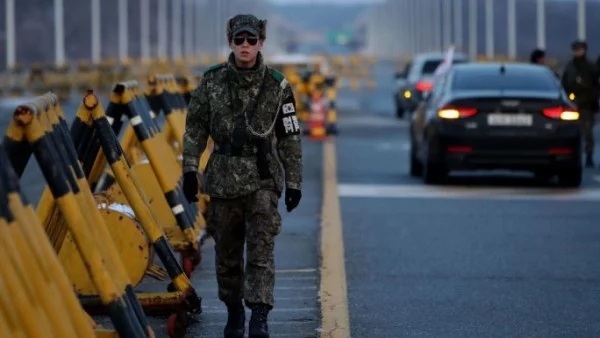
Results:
[236, 321]
[258, 327]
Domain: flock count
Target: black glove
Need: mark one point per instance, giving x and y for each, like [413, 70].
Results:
[292, 198]
[190, 186]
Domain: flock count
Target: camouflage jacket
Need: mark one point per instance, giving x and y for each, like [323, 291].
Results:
[216, 109]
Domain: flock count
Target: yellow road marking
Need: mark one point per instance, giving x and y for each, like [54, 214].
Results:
[333, 290]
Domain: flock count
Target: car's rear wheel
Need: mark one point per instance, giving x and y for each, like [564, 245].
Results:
[433, 172]
[416, 167]
[571, 177]
[399, 110]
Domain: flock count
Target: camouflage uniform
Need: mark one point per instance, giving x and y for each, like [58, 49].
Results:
[244, 175]
[581, 78]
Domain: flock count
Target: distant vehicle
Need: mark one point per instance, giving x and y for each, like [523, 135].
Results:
[497, 116]
[416, 79]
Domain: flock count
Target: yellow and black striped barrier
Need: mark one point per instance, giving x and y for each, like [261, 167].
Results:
[96, 236]
[38, 126]
[51, 308]
[127, 102]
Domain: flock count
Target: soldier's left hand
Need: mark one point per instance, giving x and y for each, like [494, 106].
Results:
[292, 198]
[190, 186]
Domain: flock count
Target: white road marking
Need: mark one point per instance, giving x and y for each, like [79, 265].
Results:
[371, 121]
[397, 146]
[277, 288]
[291, 322]
[222, 309]
[277, 277]
[423, 191]
[307, 270]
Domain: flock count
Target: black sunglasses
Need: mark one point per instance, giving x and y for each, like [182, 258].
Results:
[252, 40]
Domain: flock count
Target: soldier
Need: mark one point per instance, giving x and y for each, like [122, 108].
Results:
[581, 78]
[249, 111]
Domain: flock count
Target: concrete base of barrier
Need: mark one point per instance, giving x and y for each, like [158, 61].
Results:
[154, 304]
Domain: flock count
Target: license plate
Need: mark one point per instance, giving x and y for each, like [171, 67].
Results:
[518, 120]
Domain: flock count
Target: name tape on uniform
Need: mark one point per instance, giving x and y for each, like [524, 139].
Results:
[291, 125]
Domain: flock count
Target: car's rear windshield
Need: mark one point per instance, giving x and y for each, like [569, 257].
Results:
[511, 79]
[430, 66]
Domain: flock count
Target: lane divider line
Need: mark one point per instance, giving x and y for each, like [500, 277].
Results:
[335, 320]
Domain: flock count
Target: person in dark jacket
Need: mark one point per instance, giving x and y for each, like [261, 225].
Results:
[538, 57]
[581, 79]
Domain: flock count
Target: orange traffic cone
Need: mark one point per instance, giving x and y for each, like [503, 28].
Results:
[316, 120]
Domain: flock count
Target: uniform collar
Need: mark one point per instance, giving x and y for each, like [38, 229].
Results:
[251, 77]
[257, 69]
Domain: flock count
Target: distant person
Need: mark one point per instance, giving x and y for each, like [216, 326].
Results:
[538, 57]
[581, 78]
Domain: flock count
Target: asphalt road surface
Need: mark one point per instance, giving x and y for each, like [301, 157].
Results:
[485, 255]
[297, 311]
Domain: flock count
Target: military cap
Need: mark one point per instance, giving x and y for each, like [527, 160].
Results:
[246, 23]
[578, 44]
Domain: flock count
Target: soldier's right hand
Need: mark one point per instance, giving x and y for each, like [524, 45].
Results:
[190, 186]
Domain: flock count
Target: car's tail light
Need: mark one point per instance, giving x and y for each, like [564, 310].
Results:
[452, 113]
[560, 151]
[424, 86]
[561, 113]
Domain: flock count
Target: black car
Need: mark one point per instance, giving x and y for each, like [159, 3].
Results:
[416, 79]
[497, 116]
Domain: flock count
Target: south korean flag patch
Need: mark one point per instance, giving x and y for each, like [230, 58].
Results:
[288, 108]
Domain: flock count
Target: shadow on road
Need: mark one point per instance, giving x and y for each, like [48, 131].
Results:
[505, 179]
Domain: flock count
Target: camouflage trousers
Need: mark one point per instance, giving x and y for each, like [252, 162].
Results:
[587, 124]
[255, 220]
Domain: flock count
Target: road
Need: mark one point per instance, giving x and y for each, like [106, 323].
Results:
[297, 312]
[481, 256]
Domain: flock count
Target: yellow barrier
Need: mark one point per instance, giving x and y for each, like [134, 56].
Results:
[164, 95]
[331, 90]
[38, 124]
[182, 299]
[126, 250]
[29, 262]
[160, 173]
